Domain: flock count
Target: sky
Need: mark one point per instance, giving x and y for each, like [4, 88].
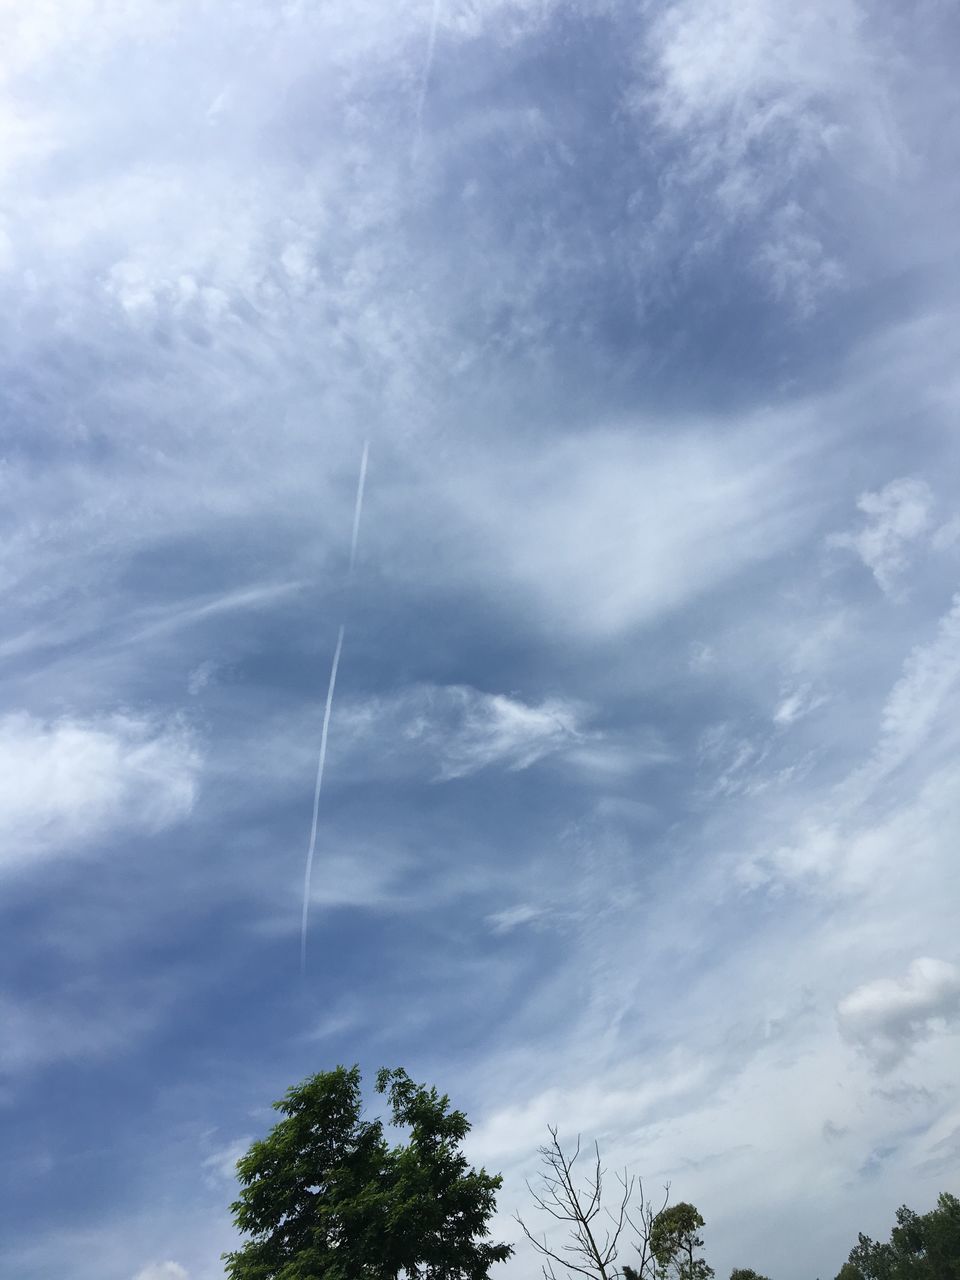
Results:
[640, 800]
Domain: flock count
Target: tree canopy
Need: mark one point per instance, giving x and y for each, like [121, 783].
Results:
[921, 1247]
[675, 1239]
[325, 1196]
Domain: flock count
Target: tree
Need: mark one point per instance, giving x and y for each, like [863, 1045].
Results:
[594, 1231]
[325, 1197]
[674, 1240]
[746, 1273]
[648, 1268]
[921, 1247]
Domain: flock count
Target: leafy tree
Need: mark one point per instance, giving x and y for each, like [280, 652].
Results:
[921, 1247]
[325, 1197]
[746, 1273]
[440, 1206]
[674, 1241]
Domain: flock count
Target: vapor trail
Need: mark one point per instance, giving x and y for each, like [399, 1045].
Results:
[308, 873]
[358, 507]
[325, 731]
[427, 68]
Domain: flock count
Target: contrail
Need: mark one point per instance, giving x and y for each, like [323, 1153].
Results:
[325, 731]
[358, 508]
[427, 68]
[308, 873]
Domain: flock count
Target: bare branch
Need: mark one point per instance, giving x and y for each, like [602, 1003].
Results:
[588, 1252]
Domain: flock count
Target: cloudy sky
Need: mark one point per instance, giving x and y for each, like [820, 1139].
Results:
[641, 795]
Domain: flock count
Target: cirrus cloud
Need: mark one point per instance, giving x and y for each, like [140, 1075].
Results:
[163, 1271]
[68, 782]
[888, 1017]
[896, 517]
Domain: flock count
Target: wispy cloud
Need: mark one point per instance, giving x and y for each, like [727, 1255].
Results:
[917, 732]
[163, 1271]
[454, 731]
[896, 518]
[67, 783]
[221, 1165]
[511, 918]
[616, 529]
[757, 98]
[795, 704]
[83, 1023]
[918, 703]
[886, 1018]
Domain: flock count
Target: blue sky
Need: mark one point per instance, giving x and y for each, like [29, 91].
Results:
[641, 799]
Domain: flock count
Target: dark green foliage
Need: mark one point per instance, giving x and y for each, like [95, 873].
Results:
[325, 1197]
[674, 1240]
[921, 1247]
[746, 1273]
[440, 1207]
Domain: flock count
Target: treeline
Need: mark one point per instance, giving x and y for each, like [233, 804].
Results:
[326, 1196]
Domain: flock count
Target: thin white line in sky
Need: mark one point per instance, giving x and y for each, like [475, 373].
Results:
[358, 506]
[427, 68]
[328, 709]
[308, 873]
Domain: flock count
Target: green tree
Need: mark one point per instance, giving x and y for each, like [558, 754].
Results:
[674, 1241]
[746, 1273]
[325, 1197]
[921, 1247]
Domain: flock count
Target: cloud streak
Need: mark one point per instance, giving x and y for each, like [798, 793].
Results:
[321, 762]
[888, 1017]
[69, 783]
[455, 731]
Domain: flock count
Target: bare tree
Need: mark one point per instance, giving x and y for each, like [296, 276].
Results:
[594, 1231]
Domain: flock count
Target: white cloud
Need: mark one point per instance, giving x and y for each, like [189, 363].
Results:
[794, 263]
[743, 1062]
[732, 756]
[947, 536]
[200, 676]
[941, 1154]
[919, 702]
[511, 918]
[445, 732]
[498, 729]
[365, 877]
[755, 96]
[750, 63]
[837, 840]
[795, 704]
[617, 528]
[150, 622]
[66, 783]
[133, 1243]
[888, 1017]
[851, 856]
[221, 1165]
[163, 1271]
[455, 730]
[896, 517]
